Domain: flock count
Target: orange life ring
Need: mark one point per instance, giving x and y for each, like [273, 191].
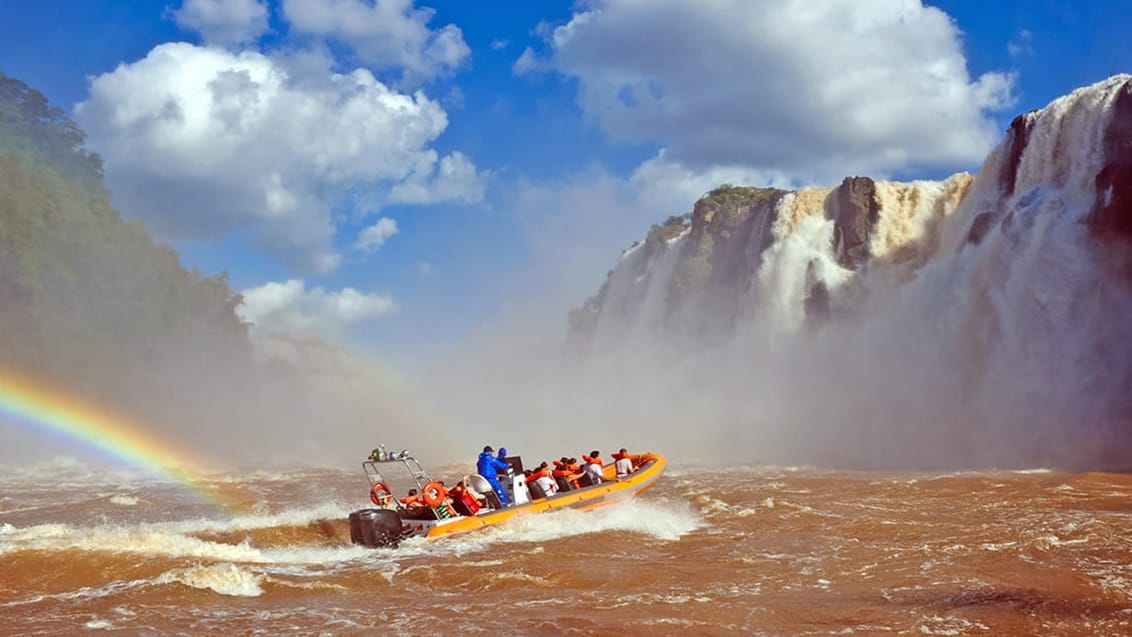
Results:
[433, 494]
[380, 494]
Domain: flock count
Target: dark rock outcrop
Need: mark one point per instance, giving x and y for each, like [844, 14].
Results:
[982, 226]
[1112, 210]
[1017, 137]
[854, 209]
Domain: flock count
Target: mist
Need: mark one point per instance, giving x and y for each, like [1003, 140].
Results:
[983, 329]
[975, 322]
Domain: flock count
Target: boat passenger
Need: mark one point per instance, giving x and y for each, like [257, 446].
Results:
[489, 467]
[464, 500]
[541, 477]
[565, 476]
[412, 500]
[624, 463]
[576, 470]
[594, 466]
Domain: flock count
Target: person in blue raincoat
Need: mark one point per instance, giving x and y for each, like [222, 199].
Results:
[489, 467]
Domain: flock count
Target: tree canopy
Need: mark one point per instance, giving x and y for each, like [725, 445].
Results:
[88, 300]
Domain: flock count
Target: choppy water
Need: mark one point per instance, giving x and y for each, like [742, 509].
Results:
[708, 551]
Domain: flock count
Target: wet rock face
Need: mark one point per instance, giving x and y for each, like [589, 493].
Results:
[855, 211]
[1017, 137]
[1112, 211]
[981, 227]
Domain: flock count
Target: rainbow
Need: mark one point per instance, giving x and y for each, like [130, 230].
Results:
[50, 410]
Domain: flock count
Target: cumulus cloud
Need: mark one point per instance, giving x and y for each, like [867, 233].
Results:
[527, 62]
[835, 87]
[224, 22]
[200, 141]
[372, 238]
[289, 307]
[452, 178]
[667, 187]
[383, 33]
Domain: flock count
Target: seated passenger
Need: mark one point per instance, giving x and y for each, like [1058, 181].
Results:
[594, 466]
[464, 500]
[412, 500]
[541, 477]
[624, 464]
[564, 476]
[576, 470]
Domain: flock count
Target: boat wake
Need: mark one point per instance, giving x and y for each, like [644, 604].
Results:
[662, 520]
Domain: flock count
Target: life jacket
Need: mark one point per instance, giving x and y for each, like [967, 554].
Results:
[575, 474]
[563, 471]
[412, 500]
[595, 460]
[617, 455]
[536, 474]
[470, 501]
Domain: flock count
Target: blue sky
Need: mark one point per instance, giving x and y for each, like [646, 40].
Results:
[394, 176]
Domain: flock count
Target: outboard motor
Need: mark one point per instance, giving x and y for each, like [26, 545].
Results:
[375, 528]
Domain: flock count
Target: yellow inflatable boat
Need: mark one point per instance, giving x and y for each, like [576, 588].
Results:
[434, 509]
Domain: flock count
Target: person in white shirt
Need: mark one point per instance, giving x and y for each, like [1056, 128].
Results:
[624, 464]
[594, 467]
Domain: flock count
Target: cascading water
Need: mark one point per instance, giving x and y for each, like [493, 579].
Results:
[966, 322]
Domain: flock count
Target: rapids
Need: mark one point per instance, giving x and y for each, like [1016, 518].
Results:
[708, 551]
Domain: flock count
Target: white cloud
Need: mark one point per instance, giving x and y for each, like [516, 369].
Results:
[224, 22]
[829, 88]
[1021, 44]
[527, 62]
[384, 33]
[290, 308]
[667, 187]
[499, 45]
[576, 226]
[372, 238]
[454, 100]
[199, 141]
[452, 178]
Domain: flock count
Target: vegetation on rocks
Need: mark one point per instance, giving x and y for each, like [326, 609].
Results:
[88, 300]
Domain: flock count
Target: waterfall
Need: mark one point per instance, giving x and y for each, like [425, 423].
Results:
[971, 321]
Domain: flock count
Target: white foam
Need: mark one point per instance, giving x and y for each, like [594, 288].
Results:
[660, 521]
[98, 624]
[169, 541]
[262, 520]
[226, 579]
[124, 500]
